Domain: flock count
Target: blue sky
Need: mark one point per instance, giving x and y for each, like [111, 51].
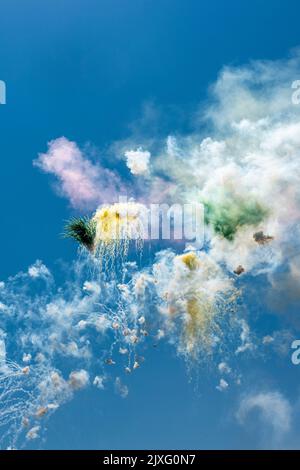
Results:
[91, 71]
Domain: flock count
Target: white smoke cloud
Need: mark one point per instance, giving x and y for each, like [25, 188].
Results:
[51, 323]
[223, 385]
[99, 382]
[224, 368]
[120, 388]
[33, 433]
[249, 156]
[78, 379]
[38, 270]
[138, 161]
[275, 412]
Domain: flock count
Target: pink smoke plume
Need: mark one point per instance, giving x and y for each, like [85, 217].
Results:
[84, 183]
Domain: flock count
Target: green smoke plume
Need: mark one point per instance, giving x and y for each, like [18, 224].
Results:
[227, 216]
[83, 230]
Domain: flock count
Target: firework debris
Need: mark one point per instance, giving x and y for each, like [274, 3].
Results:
[261, 238]
[239, 270]
[110, 362]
